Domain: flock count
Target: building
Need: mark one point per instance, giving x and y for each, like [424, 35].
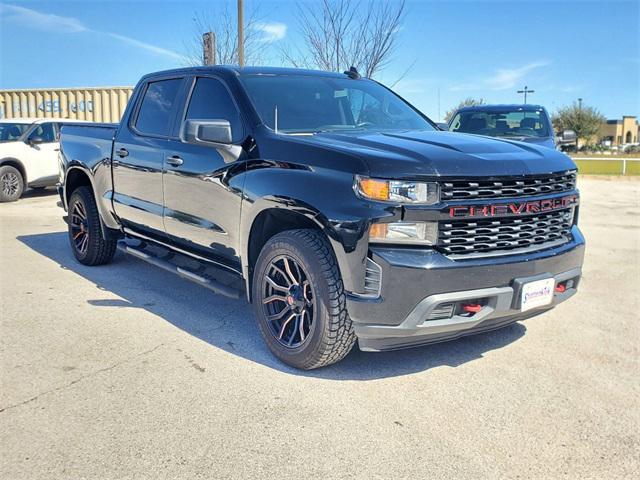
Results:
[97, 104]
[620, 132]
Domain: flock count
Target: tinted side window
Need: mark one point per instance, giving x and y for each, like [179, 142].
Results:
[45, 131]
[210, 100]
[156, 107]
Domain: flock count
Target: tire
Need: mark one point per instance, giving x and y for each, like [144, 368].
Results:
[11, 184]
[85, 232]
[308, 286]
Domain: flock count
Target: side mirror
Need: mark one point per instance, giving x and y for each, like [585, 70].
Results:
[35, 140]
[443, 126]
[206, 132]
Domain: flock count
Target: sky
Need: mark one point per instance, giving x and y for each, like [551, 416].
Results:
[449, 49]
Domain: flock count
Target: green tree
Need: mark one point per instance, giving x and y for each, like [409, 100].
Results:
[467, 102]
[583, 120]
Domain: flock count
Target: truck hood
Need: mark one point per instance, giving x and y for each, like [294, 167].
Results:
[435, 153]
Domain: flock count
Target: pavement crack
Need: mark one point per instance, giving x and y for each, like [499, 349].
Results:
[81, 378]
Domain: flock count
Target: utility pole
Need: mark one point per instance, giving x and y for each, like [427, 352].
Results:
[240, 33]
[580, 103]
[525, 91]
[209, 48]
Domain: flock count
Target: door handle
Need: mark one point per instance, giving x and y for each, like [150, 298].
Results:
[174, 160]
[123, 152]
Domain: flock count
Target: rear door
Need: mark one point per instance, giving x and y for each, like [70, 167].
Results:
[202, 183]
[138, 156]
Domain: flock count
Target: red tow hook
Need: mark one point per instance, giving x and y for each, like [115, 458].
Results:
[560, 287]
[472, 308]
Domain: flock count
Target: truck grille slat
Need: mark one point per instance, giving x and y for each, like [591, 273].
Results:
[463, 237]
[508, 187]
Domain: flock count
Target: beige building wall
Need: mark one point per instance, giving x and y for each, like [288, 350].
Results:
[620, 132]
[96, 104]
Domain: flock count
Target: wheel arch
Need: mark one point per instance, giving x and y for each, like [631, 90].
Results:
[75, 177]
[78, 176]
[17, 164]
[266, 224]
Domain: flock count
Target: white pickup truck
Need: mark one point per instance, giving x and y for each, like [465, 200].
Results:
[28, 154]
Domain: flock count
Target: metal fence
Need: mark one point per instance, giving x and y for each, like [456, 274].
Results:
[104, 104]
[608, 166]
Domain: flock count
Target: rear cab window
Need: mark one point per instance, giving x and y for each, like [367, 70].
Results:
[157, 107]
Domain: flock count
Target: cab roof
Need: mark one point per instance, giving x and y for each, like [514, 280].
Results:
[240, 71]
[502, 107]
[39, 120]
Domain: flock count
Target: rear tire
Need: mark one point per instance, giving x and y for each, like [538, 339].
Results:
[85, 230]
[299, 300]
[11, 184]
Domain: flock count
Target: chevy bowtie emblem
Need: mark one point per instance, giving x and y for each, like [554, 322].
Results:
[513, 209]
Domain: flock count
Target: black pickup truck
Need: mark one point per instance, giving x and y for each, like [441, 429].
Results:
[338, 209]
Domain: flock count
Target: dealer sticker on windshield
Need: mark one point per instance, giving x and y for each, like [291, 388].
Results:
[537, 294]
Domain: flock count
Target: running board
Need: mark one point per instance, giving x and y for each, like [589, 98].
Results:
[164, 263]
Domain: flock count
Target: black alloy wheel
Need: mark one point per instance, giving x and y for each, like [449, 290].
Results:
[299, 300]
[288, 301]
[85, 230]
[79, 227]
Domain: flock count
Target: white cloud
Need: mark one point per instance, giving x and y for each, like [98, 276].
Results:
[41, 21]
[271, 31]
[501, 79]
[145, 46]
[506, 78]
[57, 24]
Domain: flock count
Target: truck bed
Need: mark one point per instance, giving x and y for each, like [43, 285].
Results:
[91, 142]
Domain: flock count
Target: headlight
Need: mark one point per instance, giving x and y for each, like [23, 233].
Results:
[416, 233]
[399, 191]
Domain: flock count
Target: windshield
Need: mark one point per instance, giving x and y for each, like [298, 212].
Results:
[516, 123]
[309, 104]
[10, 132]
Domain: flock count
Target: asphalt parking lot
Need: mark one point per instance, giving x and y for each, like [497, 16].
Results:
[126, 371]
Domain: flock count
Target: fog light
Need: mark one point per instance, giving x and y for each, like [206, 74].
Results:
[417, 233]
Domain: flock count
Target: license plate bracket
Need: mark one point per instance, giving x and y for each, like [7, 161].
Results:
[536, 293]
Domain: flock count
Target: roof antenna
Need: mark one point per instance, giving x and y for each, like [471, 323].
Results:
[353, 73]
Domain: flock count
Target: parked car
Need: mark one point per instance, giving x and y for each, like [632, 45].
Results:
[28, 155]
[524, 123]
[338, 209]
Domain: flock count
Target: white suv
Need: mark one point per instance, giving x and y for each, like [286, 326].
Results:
[28, 154]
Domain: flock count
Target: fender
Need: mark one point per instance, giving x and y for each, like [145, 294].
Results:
[20, 166]
[95, 164]
[335, 209]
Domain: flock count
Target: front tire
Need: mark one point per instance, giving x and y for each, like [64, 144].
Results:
[299, 300]
[85, 231]
[11, 184]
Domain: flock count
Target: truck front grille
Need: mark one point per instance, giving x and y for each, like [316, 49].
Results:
[508, 187]
[496, 236]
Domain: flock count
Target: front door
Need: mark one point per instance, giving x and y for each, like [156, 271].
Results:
[202, 184]
[42, 155]
[138, 157]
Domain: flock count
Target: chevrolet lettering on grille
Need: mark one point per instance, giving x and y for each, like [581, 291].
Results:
[514, 208]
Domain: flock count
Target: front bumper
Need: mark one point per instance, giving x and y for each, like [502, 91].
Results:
[416, 282]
